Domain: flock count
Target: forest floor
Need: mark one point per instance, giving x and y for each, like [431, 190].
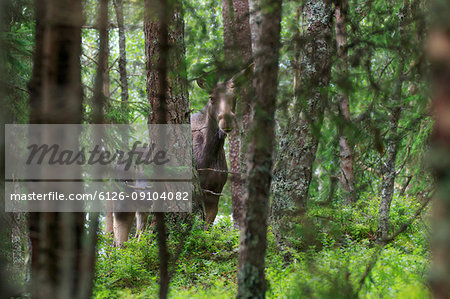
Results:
[331, 267]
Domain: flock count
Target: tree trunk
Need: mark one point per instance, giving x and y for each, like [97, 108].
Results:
[102, 76]
[251, 277]
[389, 168]
[176, 95]
[238, 54]
[299, 141]
[389, 175]
[166, 90]
[60, 264]
[6, 289]
[346, 152]
[254, 18]
[118, 6]
[439, 53]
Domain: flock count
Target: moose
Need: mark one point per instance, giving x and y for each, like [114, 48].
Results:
[210, 127]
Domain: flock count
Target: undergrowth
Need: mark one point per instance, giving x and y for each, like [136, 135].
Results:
[332, 267]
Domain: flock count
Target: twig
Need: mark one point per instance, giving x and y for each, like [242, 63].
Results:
[20, 88]
[403, 190]
[408, 151]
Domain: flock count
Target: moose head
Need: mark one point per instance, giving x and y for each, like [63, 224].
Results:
[222, 99]
[219, 109]
[220, 106]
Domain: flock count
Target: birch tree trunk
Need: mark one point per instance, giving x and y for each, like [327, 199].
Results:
[238, 54]
[251, 277]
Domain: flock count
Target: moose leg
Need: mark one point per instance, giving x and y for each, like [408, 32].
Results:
[122, 226]
[211, 208]
[141, 223]
[109, 223]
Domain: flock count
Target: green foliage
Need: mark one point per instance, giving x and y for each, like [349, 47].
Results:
[208, 260]
[332, 245]
[336, 273]
[330, 268]
[17, 40]
[204, 46]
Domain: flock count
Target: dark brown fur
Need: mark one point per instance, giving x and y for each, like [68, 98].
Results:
[209, 128]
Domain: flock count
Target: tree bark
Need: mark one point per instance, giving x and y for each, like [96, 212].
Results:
[389, 168]
[254, 19]
[251, 277]
[176, 95]
[118, 6]
[439, 52]
[347, 178]
[6, 290]
[389, 174]
[101, 89]
[299, 141]
[60, 263]
[238, 54]
[166, 90]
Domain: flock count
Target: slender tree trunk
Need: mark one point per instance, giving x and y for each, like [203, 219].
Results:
[254, 18]
[35, 84]
[166, 89]
[299, 141]
[251, 277]
[439, 53]
[58, 256]
[176, 92]
[106, 69]
[238, 53]
[6, 290]
[389, 168]
[389, 175]
[157, 47]
[102, 76]
[118, 5]
[346, 152]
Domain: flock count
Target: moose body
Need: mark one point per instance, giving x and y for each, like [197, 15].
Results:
[209, 131]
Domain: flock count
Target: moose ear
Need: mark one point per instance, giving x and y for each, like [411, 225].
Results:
[206, 82]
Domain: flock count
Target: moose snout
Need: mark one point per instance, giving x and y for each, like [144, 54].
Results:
[226, 122]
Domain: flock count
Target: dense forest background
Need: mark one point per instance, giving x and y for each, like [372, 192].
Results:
[339, 154]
